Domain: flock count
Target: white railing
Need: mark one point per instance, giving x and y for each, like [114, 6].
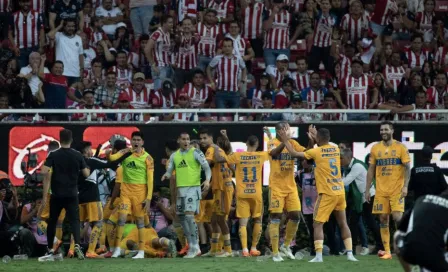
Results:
[236, 112]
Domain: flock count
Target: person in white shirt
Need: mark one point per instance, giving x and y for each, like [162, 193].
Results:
[30, 72]
[69, 50]
[356, 171]
[110, 16]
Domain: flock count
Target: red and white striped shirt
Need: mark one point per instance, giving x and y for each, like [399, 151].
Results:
[302, 80]
[346, 67]
[422, 116]
[415, 60]
[139, 100]
[183, 117]
[296, 5]
[239, 45]
[441, 57]
[278, 36]
[96, 36]
[394, 75]
[5, 5]
[323, 30]
[227, 71]
[158, 100]
[253, 21]
[38, 5]
[223, 9]
[124, 76]
[384, 9]
[197, 96]
[26, 29]
[162, 49]
[354, 27]
[424, 20]
[186, 57]
[257, 101]
[435, 97]
[357, 91]
[207, 44]
[278, 76]
[314, 98]
[137, 60]
[83, 116]
[187, 8]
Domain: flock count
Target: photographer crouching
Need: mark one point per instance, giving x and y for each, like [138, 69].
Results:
[9, 209]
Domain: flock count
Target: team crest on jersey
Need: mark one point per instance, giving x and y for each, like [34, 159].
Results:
[394, 153]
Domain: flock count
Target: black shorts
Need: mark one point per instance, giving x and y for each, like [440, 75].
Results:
[422, 253]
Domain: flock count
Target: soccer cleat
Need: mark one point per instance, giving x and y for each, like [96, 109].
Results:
[277, 258]
[184, 250]
[287, 251]
[208, 254]
[48, 257]
[381, 253]
[107, 254]
[245, 253]
[351, 258]
[192, 253]
[172, 250]
[386, 256]
[317, 260]
[140, 255]
[79, 253]
[364, 251]
[70, 253]
[101, 250]
[117, 253]
[223, 254]
[93, 255]
[254, 253]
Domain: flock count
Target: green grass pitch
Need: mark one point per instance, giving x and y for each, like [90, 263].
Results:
[334, 264]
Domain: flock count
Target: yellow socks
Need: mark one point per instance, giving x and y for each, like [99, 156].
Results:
[243, 236]
[318, 246]
[385, 236]
[348, 244]
[94, 235]
[227, 244]
[256, 234]
[72, 244]
[274, 234]
[291, 230]
[103, 237]
[59, 232]
[214, 242]
[220, 243]
[118, 235]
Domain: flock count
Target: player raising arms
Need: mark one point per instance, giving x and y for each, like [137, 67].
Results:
[390, 166]
[249, 194]
[135, 191]
[187, 161]
[283, 194]
[330, 187]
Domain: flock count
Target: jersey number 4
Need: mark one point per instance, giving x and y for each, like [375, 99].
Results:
[246, 174]
[333, 167]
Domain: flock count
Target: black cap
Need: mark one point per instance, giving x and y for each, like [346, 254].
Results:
[167, 85]
[264, 75]
[266, 95]
[427, 152]
[297, 97]
[88, 91]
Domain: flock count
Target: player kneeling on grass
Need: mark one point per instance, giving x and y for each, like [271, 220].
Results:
[330, 187]
[422, 235]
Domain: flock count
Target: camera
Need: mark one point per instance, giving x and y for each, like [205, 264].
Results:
[5, 184]
[32, 181]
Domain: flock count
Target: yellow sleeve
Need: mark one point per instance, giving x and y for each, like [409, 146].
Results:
[297, 147]
[232, 158]
[271, 144]
[264, 156]
[310, 154]
[119, 175]
[372, 158]
[404, 154]
[210, 154]
[116, 156]
[150, 176]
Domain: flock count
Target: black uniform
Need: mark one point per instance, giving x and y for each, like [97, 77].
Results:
[66, 164]
[425, 235]
[427, 179]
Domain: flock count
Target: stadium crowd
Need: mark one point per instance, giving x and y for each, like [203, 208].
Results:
[272, 54]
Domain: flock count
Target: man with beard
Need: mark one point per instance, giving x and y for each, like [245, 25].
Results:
[138, 93]
[390, 166]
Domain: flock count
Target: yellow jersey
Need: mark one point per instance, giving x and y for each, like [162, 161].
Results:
[221, 172]
[328, 169]
[389, 162]
[281, 177]
[119, 175]
[249, 167]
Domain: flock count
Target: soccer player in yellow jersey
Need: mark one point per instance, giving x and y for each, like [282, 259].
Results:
[136, 190]
[330, 188]
[283, 194]
[222, 193]
[390, 166]
[249, 195]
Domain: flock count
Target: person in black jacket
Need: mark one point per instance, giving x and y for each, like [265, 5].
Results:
[427, 178]
[90, 207]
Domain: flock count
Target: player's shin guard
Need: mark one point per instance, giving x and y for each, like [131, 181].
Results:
[256, 234]
[385, 236]
[291, 230]
[180, 234]
[318, 247]
[94, 235]
[243, 237]
[274, 235]
[214, 242]
[193, 229]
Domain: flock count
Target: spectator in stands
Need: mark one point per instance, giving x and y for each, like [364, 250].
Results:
[164, 98]
[96, 32]
[95, 77]
[139, 95]
[428, 74]
[123, 70]
[21, 96]
[26, 33]
[69, 50]
[228, 68]
[209, 32]
[154, 24]
[183, 102]
[301, 76]
[110, 16]
[407, 92]
[306, 20]
[141, 14]
[124, 103]
[425, 18]
[416, 56]
[443, 116]
[437, 93]
[254, 96]
[284, 96]
[421, 103]
[5, 18]
[394, 71]
[279, 72]
[200, 94]
[88, 12]
[186, 59]
[313, 96]
[122, 39]
[296, 103]
[107, 94]
[382, 15]
[158, 52]
[225, 13]
[34, 239]
[438, 34]
[138, 60]
[9, 206]
[89, 98]
[63, 10]
[189, 9]
[329, 103]
[382, 86]
[402, 25]
[4, 117]
[354, 24]
[105, 54]
[30, 72]
[89, 54]
[252, 15]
